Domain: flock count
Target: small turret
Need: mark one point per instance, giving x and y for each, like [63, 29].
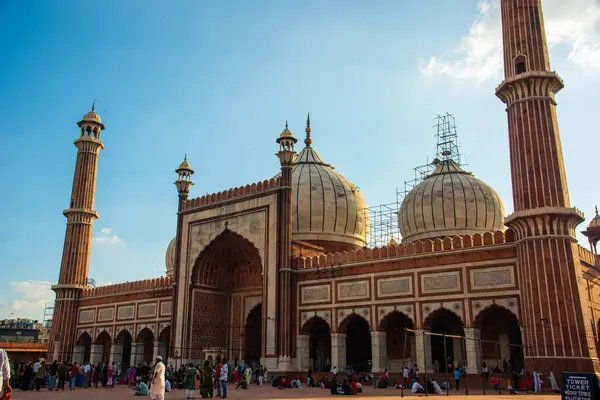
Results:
[184, 179]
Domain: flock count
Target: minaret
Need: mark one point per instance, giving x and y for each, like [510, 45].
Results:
[556, 327]
[184, 185]
[286, 155]
[78, 239]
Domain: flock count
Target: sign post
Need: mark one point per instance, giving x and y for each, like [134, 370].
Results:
[580, 386]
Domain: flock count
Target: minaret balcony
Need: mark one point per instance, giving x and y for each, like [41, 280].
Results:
[80, 216]
[530, 85]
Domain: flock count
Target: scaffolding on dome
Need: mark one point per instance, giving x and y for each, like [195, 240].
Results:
[384, 229]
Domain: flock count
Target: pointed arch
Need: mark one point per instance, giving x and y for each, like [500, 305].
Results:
[145, 344]
[358, 341]
[85, 342]
[319, 343]
[397, 339]
[229, 261]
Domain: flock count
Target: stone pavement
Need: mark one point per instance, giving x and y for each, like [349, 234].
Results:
[265, 392]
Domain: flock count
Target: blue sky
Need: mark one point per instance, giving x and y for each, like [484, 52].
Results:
[217, 80]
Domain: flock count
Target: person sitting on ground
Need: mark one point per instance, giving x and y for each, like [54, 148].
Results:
[141, 389]
[325, 383]
[346, 388]
[436, 387]
[334, 386]
[356, 389]
[417, 387]
[296, 383]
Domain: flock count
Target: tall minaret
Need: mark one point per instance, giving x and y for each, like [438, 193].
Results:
[557, 331]
[78, 239]
[286, 155]
[184, 185]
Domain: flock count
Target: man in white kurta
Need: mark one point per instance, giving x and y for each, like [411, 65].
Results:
[157, 391]
[537, 381]
[4, 373]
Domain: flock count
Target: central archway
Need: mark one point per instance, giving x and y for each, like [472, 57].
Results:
[252, 337]
[145, 340]
[358, 342]
[227, 268]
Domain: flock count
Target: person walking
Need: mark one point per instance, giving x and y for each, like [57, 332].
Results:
[457, 378]
[74, 372]
[223, 378]
[157, 391]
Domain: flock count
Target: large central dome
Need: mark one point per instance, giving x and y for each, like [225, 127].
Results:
[449, 202]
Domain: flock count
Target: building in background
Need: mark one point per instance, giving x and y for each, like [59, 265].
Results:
[280, 271]
[23, 339]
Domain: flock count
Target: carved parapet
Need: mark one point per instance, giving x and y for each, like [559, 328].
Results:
[232, 193]
[406, 249]
[80, 216]
[545, 221]
[89, 144]
[586, 256]
[162, 283]
[533, 84]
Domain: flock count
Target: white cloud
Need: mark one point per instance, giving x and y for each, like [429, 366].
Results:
[106, 237]
[573, 23]
[30, 298]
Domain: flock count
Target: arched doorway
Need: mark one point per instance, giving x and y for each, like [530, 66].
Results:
[164, 339]
[358, 343]
[229, 267]
[104, 342]
[501, 341]
[252, 336]
[124, 340]
[445, 349]
[85, 344]
[145, 341]
[398, 341]
[319, 344]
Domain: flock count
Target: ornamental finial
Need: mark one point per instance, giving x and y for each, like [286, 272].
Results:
[308, 140]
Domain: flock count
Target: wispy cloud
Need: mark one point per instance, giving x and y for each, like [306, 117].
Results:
[573, 23]
[30, 298]
[106, 237]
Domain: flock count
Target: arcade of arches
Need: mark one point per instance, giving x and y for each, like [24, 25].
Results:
[494, 338]
[226, 311]
[123, 350]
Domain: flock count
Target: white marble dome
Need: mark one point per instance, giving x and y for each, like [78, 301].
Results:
[328, 210]
[170, 258]
[450, 202]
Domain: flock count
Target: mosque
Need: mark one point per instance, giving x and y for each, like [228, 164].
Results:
[280, 271]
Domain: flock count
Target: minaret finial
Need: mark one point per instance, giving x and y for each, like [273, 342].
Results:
[308, 140]
[286, 124]
[596, 209]
[94, 105]
[185, 157]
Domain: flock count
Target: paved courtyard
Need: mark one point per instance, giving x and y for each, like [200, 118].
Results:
[265, 392]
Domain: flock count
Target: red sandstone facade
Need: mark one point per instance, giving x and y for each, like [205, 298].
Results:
[246, 282]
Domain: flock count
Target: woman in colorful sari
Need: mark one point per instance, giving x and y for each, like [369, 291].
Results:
[131, 376]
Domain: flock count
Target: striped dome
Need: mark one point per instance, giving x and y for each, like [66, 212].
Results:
[328, 210]
[170, 258]
[450, 202]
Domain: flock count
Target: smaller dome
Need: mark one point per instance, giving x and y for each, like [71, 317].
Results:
[595, 222]
[185, 164]
[92, 117]
[286, 133]
[170, 258]
[450, 202]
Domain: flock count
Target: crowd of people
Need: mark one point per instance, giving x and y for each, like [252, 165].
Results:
[212, 379]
